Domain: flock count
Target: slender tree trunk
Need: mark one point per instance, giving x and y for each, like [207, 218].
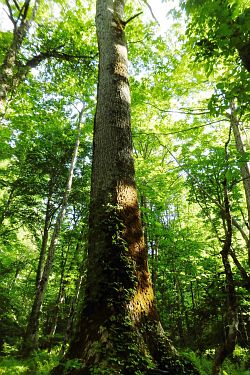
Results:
[183, 311]
[45, 237]
[144, 219]
[73, 307]
[60, 299]
[10, 74]
[192, 295]
[244, 275]
[18, 269]
[179, 316]
[154, 257]
[31, 336]
[244, 166]
[74, 302]
[7, 204]
[119, 322]
[228, 346]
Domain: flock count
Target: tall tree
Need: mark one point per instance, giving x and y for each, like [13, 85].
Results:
[39, 35]
[21, 20]
[229, 343]
[45, 267]
[119, 322]
[244, 165]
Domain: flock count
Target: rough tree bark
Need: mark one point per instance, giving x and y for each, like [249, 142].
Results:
[119, 325]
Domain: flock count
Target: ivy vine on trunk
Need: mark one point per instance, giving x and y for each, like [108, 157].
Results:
[119, 331]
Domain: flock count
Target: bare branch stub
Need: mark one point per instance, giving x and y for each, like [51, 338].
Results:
[151, 11]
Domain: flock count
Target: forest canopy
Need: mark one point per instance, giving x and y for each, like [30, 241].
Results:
[124, 187]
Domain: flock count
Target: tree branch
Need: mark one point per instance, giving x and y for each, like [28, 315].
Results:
[151, 11]
[185, 112]
[205, 192]
[10, 14]
[17, 5]
[181, 131]
[131, 18]
[35, 61]
[24, 11]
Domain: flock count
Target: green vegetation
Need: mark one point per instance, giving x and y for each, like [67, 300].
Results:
[40, 363]
[190, 89]
[43, 362]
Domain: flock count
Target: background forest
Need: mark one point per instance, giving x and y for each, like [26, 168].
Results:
[190, 86]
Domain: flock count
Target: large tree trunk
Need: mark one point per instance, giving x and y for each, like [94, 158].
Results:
[119, 322]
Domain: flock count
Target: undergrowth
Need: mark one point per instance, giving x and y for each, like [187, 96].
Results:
[42, 362]
[238, 364]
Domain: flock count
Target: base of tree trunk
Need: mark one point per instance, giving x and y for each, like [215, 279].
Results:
[30, 344]
[125, 350]
[119, 330]
[174, 366]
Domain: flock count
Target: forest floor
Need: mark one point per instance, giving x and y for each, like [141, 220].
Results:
[42, 362]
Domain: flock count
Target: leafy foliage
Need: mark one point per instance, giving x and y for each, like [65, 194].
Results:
[183, 87]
